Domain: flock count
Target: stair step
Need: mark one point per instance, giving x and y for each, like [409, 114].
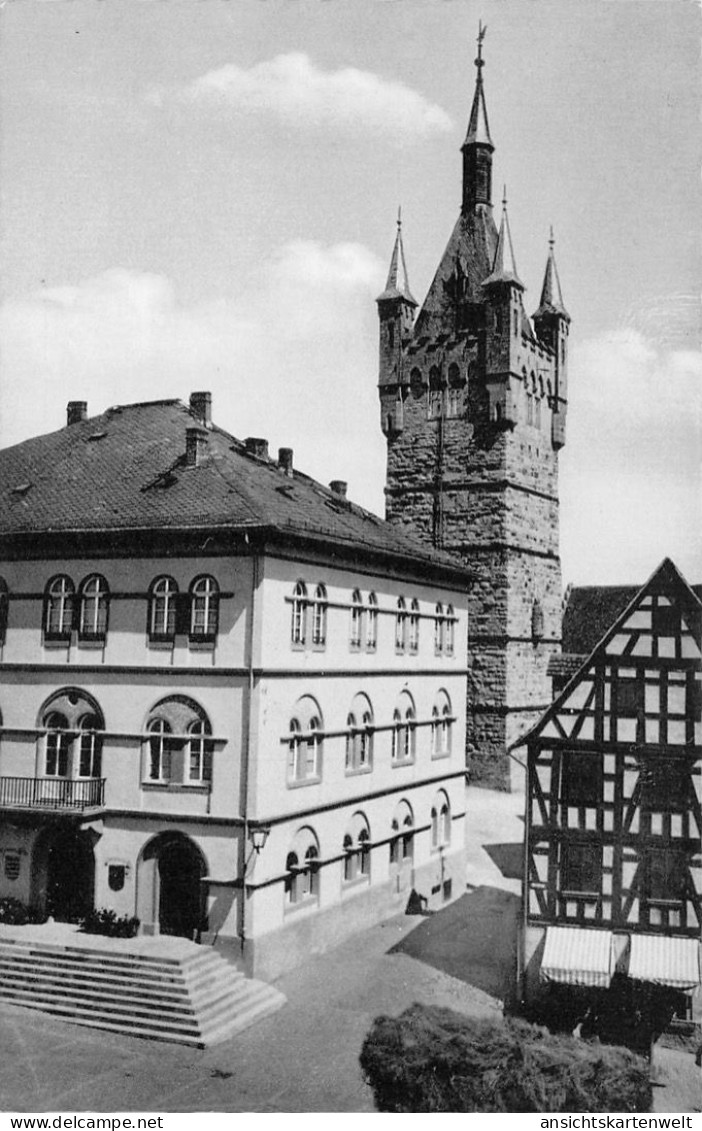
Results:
[194, 998]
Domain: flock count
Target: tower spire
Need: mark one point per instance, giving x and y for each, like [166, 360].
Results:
[477, 147]
[551, 296]
[504, 266]
[397, 285]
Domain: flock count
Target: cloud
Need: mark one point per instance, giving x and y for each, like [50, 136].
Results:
[301, 95]
[293, 357]
[631, 484]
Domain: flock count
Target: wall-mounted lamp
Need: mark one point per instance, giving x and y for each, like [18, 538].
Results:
[259, 835]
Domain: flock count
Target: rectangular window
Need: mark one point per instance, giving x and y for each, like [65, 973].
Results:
[665, 784]
[581, 778]
[666, 620]
[630, 697]
[667, 877]
[581, 868]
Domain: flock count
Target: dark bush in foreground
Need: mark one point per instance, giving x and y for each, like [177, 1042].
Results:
[15, 914]
[432, 1059]
[105, 922]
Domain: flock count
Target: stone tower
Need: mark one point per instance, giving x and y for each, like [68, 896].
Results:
[473, 398]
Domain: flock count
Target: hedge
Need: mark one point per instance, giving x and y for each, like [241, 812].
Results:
[431, 1059]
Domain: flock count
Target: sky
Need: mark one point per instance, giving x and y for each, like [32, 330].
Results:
[201, 194]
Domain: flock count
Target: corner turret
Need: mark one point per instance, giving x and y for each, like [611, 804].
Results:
[503, 290]
[551, 322]
[396, 308]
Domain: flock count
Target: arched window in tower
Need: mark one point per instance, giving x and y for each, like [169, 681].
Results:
[455, 389]
[450, 631]
[435, 392]
[416, 383]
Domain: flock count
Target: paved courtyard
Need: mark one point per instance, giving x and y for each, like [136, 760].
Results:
[305, 1058]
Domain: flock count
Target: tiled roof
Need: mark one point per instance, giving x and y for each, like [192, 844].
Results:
[591, 610]
[471, 252]
[126, 470]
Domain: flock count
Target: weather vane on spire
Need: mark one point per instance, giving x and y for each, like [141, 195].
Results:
[481, 36]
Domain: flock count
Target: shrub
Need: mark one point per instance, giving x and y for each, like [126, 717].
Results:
[15, 914]
[103, 921]
[434, 1060]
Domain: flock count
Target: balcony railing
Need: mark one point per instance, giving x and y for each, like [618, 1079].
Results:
[51, 793]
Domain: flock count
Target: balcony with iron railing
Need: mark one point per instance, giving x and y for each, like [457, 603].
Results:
[52, 794]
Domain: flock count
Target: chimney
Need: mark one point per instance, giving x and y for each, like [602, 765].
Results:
[255, 446]
[195, 444]
[76, 411]
[285, 460]
[201, 406]
[338, 487]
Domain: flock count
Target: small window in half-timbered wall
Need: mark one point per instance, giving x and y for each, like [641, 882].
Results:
[581, 778]
[665, 784]
[581, 868]
[667, 874]
[666, 620]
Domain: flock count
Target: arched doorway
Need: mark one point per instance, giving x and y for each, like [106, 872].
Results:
[64, 874]
[171, 894]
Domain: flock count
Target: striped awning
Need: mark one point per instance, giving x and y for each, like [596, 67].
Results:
[577, 956]
[664, 961]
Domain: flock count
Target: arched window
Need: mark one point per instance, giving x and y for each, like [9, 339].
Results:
[537, 621]
[439, 629]
[204, 610]
[435, 392]
[302, 868]
[90, 751]
[402, 841]
[356, 848]
[401, 625]
[178, 749]
[356, 630]
[72, 747]
[58, 608]
[199, 753]
[359, 736]
[414, 626]
[319, 618]
[298, 626]
[372, 623]
[442, 723]
[403, 730]
[450, 631]
[163, 598]
[440, 821]
[416, 382]
[4, 607]
[58, 743]
[94, 601]
[160, 750]
[304, 742]
[455, 384]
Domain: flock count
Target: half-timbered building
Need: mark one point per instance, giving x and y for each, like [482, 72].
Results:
[613, 865]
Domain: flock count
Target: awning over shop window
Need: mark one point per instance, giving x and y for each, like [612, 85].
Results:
[664, 961]
[577, 957]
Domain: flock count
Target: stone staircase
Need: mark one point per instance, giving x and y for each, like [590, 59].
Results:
[177, 992]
